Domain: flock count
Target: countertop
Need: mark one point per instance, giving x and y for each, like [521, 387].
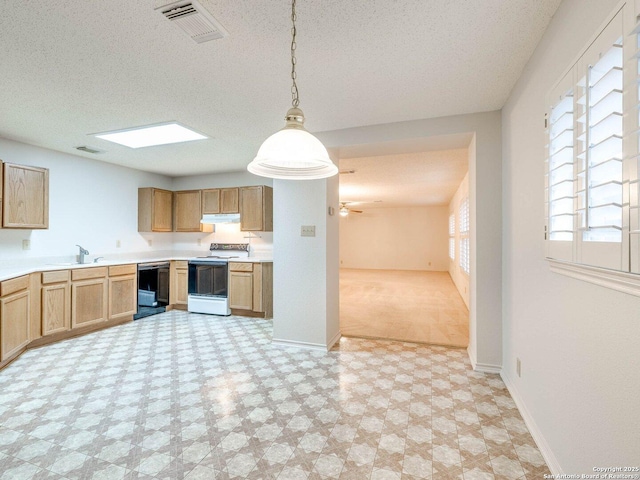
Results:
[50, 264]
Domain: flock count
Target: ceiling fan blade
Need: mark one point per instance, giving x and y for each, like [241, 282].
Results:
[355, 211]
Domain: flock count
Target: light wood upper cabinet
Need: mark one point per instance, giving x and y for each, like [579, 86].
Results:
[56, 302]
[256, 209]
[14, 316]
[122, 291]
[155, 210]
[210, 201]
[1, 185]
[25, 196]
[229, 202]
[187, 211]
[220, 200]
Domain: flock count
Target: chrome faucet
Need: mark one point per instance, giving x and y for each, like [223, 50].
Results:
[82, 253]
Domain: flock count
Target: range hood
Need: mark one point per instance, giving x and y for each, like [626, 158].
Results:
[221, 218]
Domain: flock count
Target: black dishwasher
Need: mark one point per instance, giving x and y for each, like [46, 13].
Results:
[153, 288]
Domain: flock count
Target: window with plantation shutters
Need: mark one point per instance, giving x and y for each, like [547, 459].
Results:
[452, 236]
[592, 186]
[463, 220]
[560, 182]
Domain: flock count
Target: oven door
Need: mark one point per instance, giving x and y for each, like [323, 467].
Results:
[208, 279]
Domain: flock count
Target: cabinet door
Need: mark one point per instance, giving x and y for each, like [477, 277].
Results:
[14, 323]
[26, 197]
[187, 211]
[162, 217]
[251, 209]
[182, 281]
[155, 210]
[241, 290]
[163, 285]
[88, 302]
[229, 200]
[56, 308]
[210, 201]
[122, 296]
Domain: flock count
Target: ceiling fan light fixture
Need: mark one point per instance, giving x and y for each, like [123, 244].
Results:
[293, 153]
[344, 211]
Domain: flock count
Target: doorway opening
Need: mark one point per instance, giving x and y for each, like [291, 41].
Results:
[405, 241]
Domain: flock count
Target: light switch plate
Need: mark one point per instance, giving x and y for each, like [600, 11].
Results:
[308, 231]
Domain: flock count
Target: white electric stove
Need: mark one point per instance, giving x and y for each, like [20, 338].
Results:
[209, 278]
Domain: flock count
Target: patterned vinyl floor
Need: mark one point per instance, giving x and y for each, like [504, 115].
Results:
[192, 396]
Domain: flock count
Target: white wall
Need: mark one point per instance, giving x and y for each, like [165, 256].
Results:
[485, 194]
[578, 342]
[408, 238]
[91, 203]
[460, 277]
[305, 269]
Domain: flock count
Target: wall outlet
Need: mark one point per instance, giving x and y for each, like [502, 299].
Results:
[26, 244]
[199, 241]
[118, 244]
[150, 242]
[308, 231]
[518, 367]
[429, 263]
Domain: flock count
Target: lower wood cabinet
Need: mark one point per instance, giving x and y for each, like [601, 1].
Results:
[251, 287]
[62, 300]
[56, 302]
[88, 296]
[122, 291]
[179, 290]
[14, 316]
[241, 290]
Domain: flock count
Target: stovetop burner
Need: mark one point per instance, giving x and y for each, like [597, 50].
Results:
[226, 251]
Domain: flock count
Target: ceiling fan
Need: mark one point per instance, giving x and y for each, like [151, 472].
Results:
[344, 210]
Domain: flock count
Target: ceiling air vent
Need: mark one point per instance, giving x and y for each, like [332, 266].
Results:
[195, 20]
[84, 148]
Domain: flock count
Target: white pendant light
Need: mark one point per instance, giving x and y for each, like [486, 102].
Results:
[293, 153]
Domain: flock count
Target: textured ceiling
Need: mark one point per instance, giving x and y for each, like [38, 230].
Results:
[407, 179]
[71, 68]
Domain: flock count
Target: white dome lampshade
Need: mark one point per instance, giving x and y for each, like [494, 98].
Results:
[293, 153]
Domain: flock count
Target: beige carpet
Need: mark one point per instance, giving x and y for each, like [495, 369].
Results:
[413, 306]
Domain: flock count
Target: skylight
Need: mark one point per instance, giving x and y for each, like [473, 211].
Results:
[150, 135]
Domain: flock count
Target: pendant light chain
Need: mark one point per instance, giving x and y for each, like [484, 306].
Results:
[292, 153]
[294, 87]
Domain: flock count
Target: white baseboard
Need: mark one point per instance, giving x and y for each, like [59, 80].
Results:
[543, 446]
[482, 367]
[313, 346]
[334, 340]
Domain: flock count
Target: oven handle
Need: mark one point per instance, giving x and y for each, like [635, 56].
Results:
[205, 263]
[204, 295]
[151, 266]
